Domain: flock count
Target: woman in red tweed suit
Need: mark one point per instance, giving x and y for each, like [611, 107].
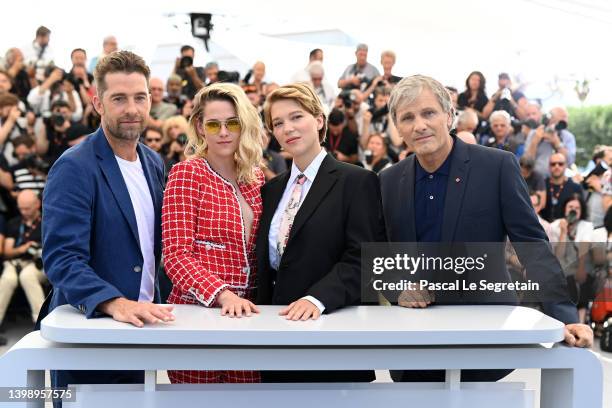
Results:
[211, 212]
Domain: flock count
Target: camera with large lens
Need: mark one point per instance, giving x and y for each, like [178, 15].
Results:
[559, 126]
[182, 139]
[348, 98]
[31, 161]
[228, 76]
[58, 120]
[186, 62]
[572, 216]
[369, 156]
[34, 253]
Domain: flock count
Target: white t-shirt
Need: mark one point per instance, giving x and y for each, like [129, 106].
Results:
[142, 202]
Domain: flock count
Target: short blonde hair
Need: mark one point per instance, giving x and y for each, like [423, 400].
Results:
[177, 120]
[303, 95]
[250, 149]
[387, 53]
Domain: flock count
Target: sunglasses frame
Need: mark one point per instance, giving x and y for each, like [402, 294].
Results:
[222, 123]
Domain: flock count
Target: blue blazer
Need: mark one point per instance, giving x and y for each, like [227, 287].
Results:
[489, 203]
[91, 249]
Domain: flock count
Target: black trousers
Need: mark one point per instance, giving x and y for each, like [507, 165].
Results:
[440, 375]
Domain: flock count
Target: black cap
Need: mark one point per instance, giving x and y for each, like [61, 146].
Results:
[336, 117]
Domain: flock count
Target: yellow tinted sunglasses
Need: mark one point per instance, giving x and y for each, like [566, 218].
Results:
[213, 126]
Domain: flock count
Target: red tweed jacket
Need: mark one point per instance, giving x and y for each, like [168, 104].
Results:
[204, 242]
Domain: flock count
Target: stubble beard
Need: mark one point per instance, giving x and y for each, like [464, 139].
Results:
[130, 134]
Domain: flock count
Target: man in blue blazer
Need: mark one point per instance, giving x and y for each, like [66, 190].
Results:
[102, 214]
[449, 191]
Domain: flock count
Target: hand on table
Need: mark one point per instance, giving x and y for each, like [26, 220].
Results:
[416, 298]
[578, 335]
[301, 310]
[136, 313]
[233, 305]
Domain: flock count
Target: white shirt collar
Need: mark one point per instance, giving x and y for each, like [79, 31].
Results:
[312, 169]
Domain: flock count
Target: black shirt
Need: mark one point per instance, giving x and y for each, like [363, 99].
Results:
[536, 181]
[346, 143]
[463, 101]
[429, 196]
[556, 195]
[22, 233]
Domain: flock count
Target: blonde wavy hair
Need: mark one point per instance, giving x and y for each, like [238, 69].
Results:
[250, 146]
[178, 121]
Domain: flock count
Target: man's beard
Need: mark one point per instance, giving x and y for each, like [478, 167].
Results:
[125, 133]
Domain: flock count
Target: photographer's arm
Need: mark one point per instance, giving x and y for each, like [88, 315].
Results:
[396, 139]
[363, 137]
[533, 140]
[366, 94]
[41, 140]
[488, 108]
[10, 251]
[197, 82]
[6, 180]
[9, 123]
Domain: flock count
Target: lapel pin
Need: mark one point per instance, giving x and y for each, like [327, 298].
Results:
[457, 180]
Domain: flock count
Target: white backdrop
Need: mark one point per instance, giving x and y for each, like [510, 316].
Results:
[546, 44]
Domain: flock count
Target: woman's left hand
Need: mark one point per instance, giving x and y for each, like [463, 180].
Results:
[301, 310]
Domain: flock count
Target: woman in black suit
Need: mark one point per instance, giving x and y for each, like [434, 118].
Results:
[315, 217]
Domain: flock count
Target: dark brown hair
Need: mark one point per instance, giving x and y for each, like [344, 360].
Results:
[119, 61]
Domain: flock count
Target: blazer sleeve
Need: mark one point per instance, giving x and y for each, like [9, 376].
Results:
[179, 220]
[364, 223]
[531, 244]
[66, 232]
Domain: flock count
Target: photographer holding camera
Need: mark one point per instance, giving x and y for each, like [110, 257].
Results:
[571, 236]
[52, 139]
[550, 137]
[377, 120]
[387, 79]
[340, 140]
[56, 87]
[359, 74]
[513, 102]
[160, 110]
[13, 123]
[22, 251]
[174, 141]
[30, 172]
[81, 80]
[16, 68]
[194, 77]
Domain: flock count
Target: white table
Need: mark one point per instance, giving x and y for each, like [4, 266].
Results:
[366, 337]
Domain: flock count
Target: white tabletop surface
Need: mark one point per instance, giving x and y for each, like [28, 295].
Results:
[354, 326]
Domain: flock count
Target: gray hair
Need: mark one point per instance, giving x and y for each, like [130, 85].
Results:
[211, 64]
[362, 46]
[315, 67]
[466, 116]
[500, 114]
[409, 88]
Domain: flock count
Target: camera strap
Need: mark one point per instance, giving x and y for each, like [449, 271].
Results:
[25, 232]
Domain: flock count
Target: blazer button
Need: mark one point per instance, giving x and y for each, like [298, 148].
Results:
[137, 269]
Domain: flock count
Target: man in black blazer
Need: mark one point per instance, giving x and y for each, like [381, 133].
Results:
[449, 191]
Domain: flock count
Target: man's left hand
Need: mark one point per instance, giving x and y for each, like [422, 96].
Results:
[578, 335]
[301, 310]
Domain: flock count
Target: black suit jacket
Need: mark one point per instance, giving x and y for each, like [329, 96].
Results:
[486, 201]
[322, 258]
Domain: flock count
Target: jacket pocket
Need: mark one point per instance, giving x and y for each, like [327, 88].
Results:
[209, 244]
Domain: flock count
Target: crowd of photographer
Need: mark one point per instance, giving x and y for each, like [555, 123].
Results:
[44, 110]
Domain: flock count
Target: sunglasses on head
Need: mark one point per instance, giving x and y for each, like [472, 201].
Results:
[553, 164]
[213, 126]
